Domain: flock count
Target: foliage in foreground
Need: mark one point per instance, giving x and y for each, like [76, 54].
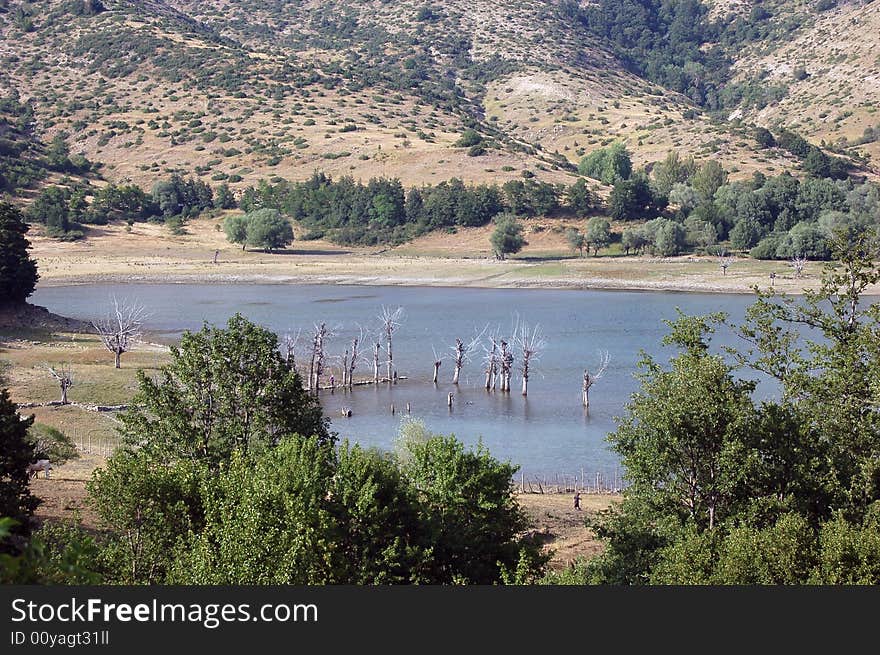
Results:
[228, 475]
[729, 490]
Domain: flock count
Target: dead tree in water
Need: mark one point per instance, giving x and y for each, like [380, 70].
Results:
[289, 343]
[356, 342]
[491, 361]
[318, 356]
[531, 344]
[376, 348]
[437, 362]
[64, 376]
[506, 363]
[590, 379]
[120, 328]
[390, 320]
[461, 354]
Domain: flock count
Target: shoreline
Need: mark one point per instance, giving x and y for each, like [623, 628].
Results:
[148, 254]
[563, 284]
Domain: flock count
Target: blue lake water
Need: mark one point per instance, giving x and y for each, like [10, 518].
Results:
[546, 433]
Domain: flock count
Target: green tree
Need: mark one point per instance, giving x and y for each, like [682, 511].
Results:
[51, 209]
[746, 233]
[18, 272]
[579, 199]
[225, 389]
[598, 233]
[148, 506]
[610, 165]
[575, 239]
[58, 154]
[474, 524]
[224, 198]
[631, 199]
[268, 229]
[682, 442]
[709, 177]
[16, 452]
[267, 520]
[381, 535]
[235, 226]
[671, 171]
[726, 491]
[634, 239]
[507, 238]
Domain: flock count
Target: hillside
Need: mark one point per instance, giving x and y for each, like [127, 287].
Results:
[239, 91]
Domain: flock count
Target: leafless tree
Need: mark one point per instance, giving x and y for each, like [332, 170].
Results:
[590, 378]
[376, 347]
[121, 328]
[531, 344]
[318, 356]
[390, 320]
[289, 342]
[798, 263]
[437, 362]
[491, 361]
[356, 342]
[505, 362]
[461, 353]
[64, 375]
[724, 261]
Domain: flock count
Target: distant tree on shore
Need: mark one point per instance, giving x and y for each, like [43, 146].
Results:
[235, 227]
[576, 240]
[268, 229]
[598, 233]
[507, 238]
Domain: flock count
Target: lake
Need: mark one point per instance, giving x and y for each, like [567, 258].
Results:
[547, 433]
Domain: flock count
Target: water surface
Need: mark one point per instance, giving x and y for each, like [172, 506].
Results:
[547, 433]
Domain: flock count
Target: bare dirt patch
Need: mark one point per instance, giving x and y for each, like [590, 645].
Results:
[561, 527]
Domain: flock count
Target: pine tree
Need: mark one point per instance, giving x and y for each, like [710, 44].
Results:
[18, 272]
[16, 501]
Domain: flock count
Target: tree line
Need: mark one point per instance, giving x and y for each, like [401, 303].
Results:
[65, 208]
[382, 211]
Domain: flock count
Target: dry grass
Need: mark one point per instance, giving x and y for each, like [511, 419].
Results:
[562, 527]
[150, 253]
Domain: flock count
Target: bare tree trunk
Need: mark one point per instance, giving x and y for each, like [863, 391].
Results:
[459, 360]
[506, 363]
[586, 389]
[345, 369]
[491, 366]
[376, 362]
[436, 369]
[63, 392]
[525, 384]
[390, 362]
[355, 355]
[118, 354]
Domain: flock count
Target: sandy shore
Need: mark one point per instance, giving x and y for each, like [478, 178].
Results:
[150, 254]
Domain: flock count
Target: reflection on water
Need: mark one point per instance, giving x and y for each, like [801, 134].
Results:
[546, 433]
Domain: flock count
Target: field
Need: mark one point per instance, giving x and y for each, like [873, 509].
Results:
[150, 253]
